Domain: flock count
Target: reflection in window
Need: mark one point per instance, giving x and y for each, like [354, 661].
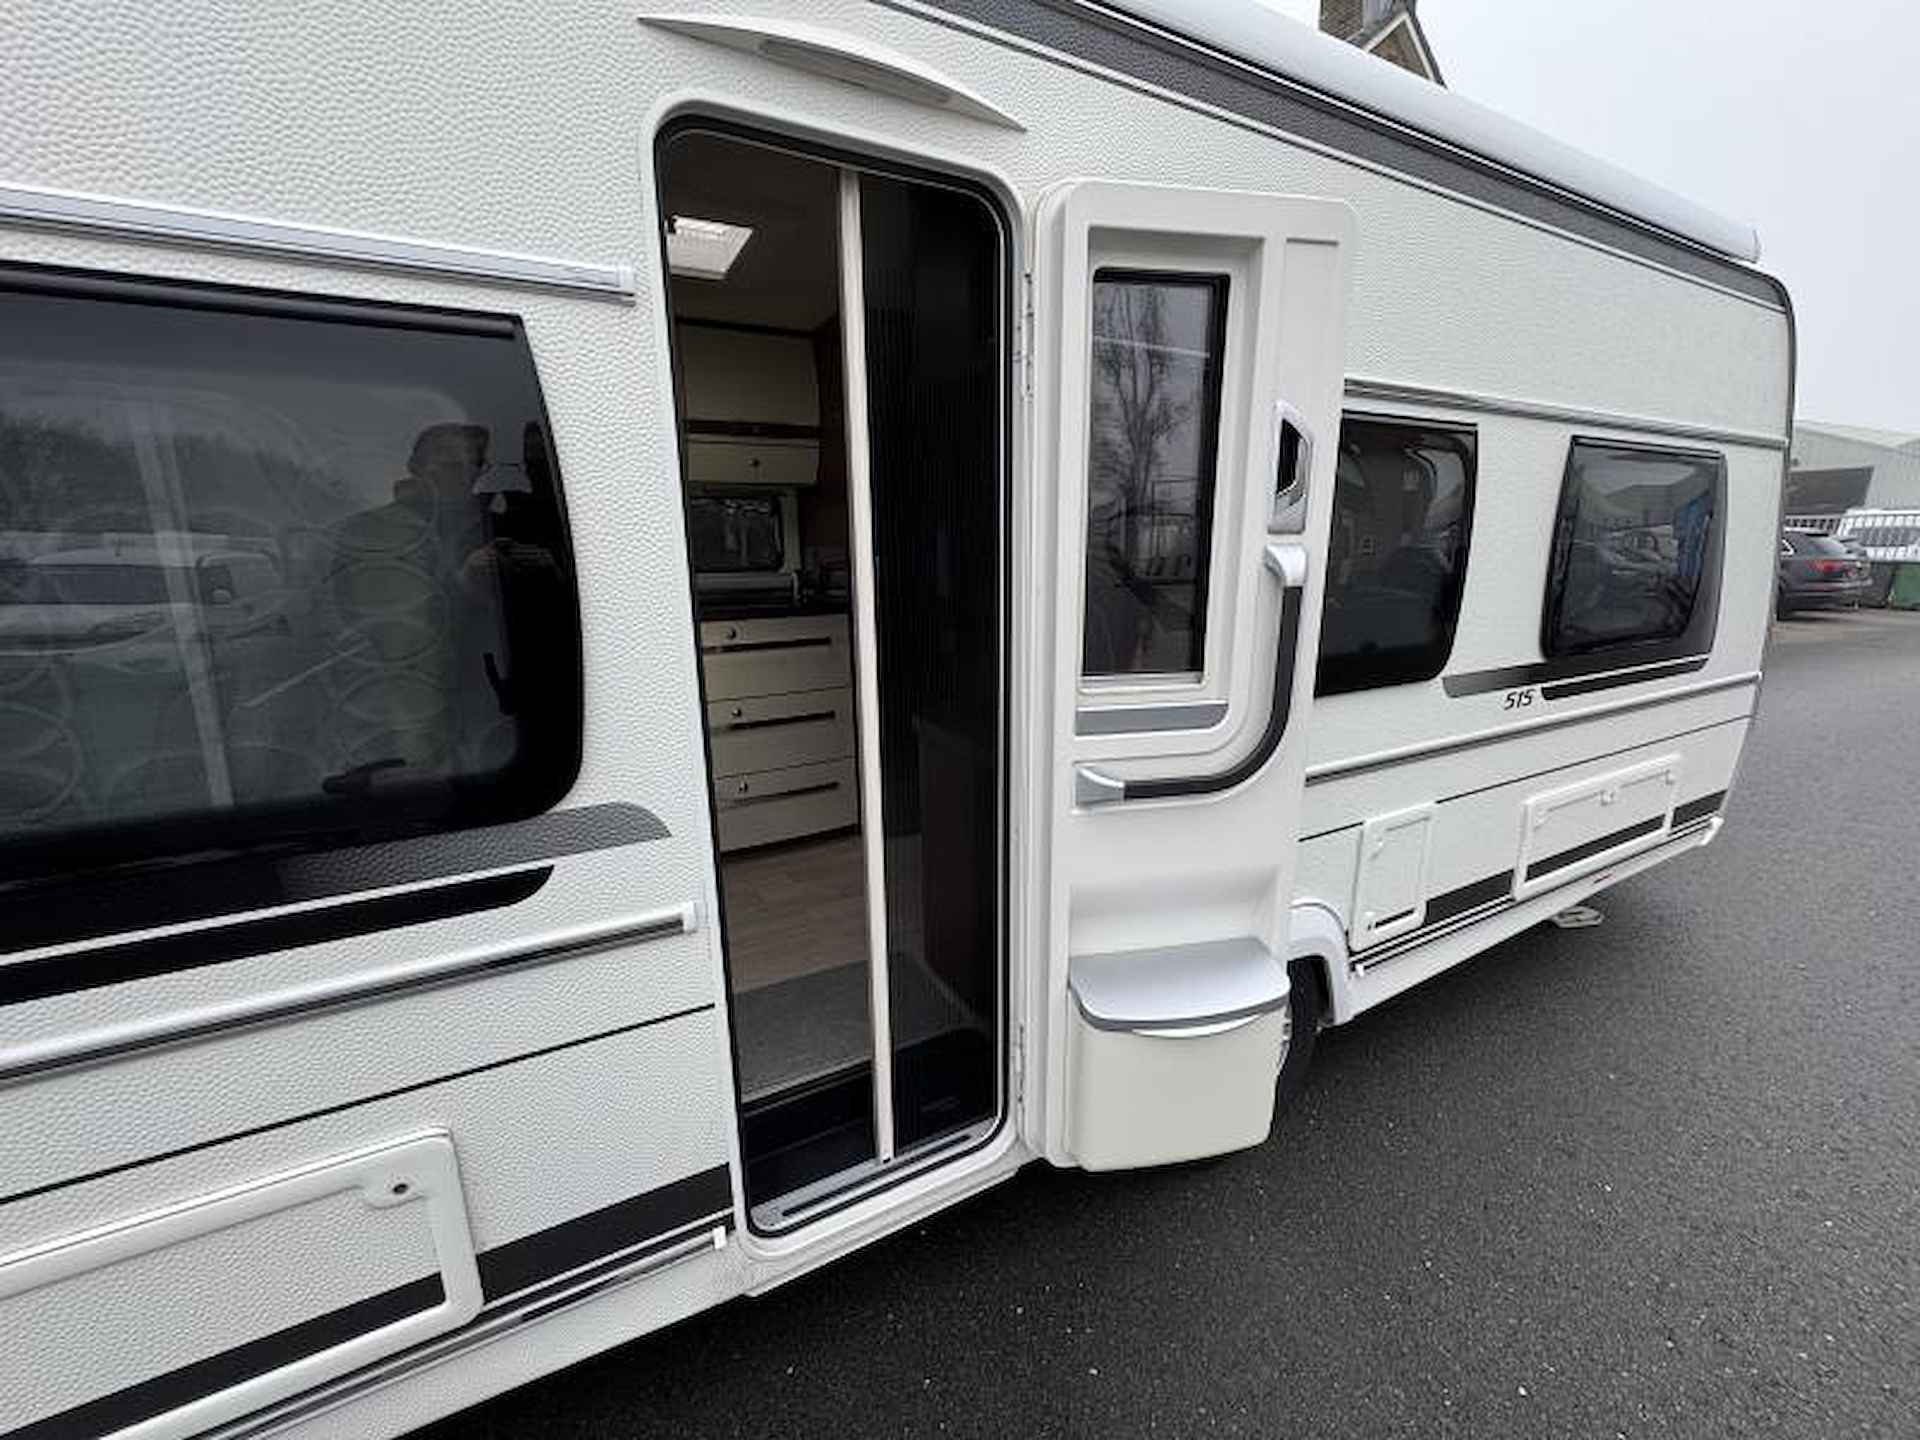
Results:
[1155, 387]
[1631, 546]
[264, 575]
[1397, 556]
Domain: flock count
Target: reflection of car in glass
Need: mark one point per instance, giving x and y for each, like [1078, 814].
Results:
[112, 587]
[1818, 573]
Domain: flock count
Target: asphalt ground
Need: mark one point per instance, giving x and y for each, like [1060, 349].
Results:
[1656, 1178]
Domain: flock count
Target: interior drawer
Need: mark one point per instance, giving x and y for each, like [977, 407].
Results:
[755, 461]
[772, 732]
[775, 657]
[770, 805]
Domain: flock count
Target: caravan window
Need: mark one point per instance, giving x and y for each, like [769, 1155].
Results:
[271, 570]
[1158, 349]
[1397, 557]
[1635, 545]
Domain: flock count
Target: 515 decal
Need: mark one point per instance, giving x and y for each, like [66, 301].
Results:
[1519, 699]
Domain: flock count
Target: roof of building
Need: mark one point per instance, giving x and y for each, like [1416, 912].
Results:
[1250, 32]
[1404, 19]
[1863, 434]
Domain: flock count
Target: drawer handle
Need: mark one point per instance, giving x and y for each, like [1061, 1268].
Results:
[746, 799]
[772, 722]
[738, 712]
[746, 647]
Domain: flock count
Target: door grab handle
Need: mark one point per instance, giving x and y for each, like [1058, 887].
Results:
[1293, 445]
[1093, 786]
[1288, 563]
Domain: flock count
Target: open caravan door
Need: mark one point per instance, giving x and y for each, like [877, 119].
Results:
[1189, 347]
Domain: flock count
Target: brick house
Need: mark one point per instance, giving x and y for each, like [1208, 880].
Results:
[1387, 28]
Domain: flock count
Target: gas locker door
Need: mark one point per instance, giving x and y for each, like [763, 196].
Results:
[1188, 361]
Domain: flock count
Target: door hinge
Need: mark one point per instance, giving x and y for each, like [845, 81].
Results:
[1027, 360]
[1019, 1064]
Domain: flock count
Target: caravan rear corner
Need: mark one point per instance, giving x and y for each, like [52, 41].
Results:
[620, 677]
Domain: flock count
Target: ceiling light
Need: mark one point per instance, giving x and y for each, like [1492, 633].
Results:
[704, 249]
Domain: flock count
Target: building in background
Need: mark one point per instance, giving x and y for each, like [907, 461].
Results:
[1387, 28]
[1843, 467]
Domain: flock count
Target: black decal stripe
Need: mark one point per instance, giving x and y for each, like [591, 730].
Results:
[1698, 809]
[1445, 906]
[219, 1372]
[506, 1271]
[28, 980]
[354, 1103]
[1574, 675]
[1567, 689]
[521, 1264]
[1092, 34]
[1596, 846]
[65, 911]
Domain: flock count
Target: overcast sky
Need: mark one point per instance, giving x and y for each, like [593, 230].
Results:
[1802, 119]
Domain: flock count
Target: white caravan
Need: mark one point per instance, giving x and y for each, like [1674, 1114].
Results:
[638, 647]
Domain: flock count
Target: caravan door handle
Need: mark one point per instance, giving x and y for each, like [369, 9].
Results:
[1286, 561]
[1293, 446]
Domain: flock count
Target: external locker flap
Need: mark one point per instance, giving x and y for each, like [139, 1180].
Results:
[1390, 882]
[262, 1252]
[1581, 827]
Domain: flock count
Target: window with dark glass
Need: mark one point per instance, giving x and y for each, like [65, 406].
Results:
[1397, 553]
[1636, 550]
[1155, 421]
[271, 570]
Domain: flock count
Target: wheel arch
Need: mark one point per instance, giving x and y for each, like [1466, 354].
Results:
[1317, 944]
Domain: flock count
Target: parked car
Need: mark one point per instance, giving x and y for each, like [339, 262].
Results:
[1818, 572]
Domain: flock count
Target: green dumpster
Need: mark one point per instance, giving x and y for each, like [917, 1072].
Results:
[1905, 594]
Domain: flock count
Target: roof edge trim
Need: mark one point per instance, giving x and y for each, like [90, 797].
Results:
[1249, 32]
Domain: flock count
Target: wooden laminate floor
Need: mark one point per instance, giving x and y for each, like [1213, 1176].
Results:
[795, 909]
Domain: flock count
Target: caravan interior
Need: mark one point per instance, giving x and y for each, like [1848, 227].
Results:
[843, 590]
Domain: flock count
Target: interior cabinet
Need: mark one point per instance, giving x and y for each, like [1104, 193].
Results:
[780, 727]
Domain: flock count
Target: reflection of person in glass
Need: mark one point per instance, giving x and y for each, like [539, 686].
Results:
[421, 587]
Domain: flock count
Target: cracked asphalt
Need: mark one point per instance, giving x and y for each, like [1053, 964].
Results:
[1656, 1178]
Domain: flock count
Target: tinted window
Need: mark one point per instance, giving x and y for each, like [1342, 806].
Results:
[271, 571]
[1817, 545]
[1633, 546]
[1155, 384]
[1397, 556]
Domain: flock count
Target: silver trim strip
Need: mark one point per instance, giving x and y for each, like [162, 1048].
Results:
[175, 224]
[1394, 392]
[837, 1191]
[1425, 749]
[1139, 719]
[88, 1047]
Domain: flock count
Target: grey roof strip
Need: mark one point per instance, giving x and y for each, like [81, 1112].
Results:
[1101, 36]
